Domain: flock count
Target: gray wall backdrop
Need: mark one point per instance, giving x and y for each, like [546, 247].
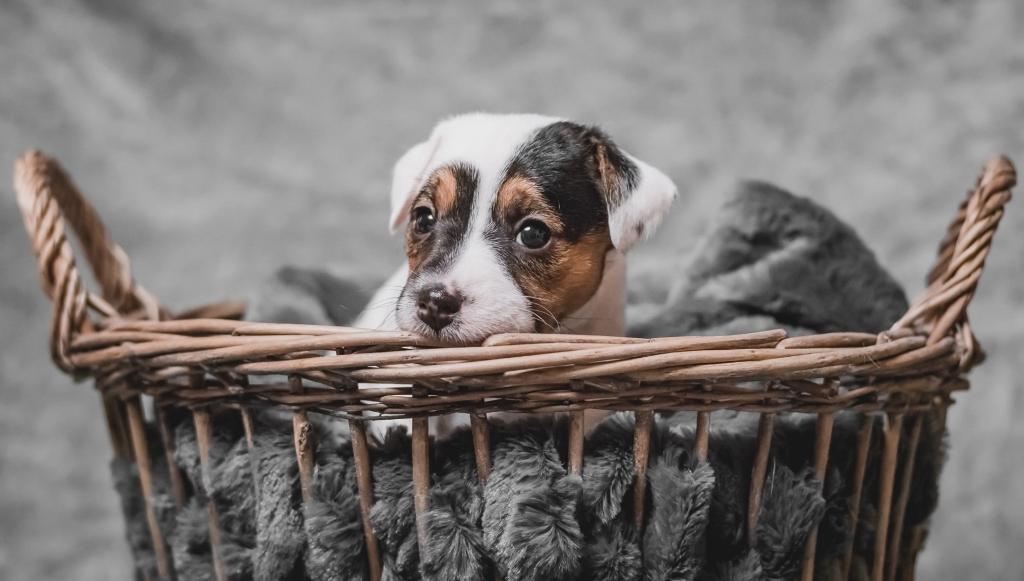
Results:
[223, 139]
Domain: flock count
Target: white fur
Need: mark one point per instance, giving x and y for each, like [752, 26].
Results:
[493, 301]
[485, 141]
[642, 211]
[407, 178]
[380, 311]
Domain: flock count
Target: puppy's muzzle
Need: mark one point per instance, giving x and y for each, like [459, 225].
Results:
[437, 307]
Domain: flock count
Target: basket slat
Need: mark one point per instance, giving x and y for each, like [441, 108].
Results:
[859, 469]
[765, 427]
[302, 434]
[896, 540]
[142, 460]
[364, 482]
[204, 433]
[481, 446]
[891, 432]
[703, 438]
[167, 438]
[421, 478]
[576, 423]
[822, 442]
[641, 456]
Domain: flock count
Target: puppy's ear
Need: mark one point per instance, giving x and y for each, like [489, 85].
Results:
[637, 194]
[407, 178]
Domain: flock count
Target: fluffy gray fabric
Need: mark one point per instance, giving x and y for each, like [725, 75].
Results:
[530, 503]
[333, 529]
[679, 508]
[230, 489]
[532, 520]
[310, 296]
[770, 260]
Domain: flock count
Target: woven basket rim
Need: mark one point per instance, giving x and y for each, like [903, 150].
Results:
[205, 357]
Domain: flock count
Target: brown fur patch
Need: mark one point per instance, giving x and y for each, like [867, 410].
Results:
[565, 279]
[560, 279]
[518, 198]
[414, 250]
[445, 186]
[439, 194]
[607, 173]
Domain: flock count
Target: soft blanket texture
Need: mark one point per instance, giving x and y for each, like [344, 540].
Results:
[771, 260]
[533, 520]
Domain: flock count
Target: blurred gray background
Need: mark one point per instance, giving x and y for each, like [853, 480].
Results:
[224, 139]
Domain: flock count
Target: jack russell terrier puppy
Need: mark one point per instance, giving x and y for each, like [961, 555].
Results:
[515, 223]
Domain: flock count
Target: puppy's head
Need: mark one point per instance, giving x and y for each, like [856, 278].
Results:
[508, 219]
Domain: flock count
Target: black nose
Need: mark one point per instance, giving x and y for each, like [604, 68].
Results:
[437, 307]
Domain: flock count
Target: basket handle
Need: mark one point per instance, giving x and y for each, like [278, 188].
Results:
[48, 201]
[942, 307]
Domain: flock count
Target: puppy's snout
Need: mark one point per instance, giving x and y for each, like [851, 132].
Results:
[436, 306]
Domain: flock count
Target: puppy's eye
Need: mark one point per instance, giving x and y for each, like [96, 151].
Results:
[533, 234]
[423, 220]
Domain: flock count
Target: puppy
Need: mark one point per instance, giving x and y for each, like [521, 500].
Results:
[515, 223]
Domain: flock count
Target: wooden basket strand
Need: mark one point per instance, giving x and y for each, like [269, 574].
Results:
[49, 202]
[199, 362]
[962, 253]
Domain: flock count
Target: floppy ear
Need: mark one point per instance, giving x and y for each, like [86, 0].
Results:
[637, 194]
[407, 179]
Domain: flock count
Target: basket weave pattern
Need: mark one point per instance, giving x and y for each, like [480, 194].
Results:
[122, 338]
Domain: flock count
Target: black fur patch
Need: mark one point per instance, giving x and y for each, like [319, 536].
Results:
[562, 160]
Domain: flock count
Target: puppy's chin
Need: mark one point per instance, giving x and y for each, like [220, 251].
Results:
[453, 334]
[469, 327]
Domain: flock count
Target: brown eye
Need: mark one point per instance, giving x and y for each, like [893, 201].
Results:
[423, 220]
[533, 234]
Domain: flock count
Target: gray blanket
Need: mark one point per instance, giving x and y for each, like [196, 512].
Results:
[771, 260]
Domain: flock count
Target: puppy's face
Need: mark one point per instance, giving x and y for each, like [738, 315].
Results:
[512, 236]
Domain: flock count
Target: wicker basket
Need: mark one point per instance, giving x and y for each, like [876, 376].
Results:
[202, 360]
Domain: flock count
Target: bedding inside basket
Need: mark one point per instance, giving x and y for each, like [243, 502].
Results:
[532, 520]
